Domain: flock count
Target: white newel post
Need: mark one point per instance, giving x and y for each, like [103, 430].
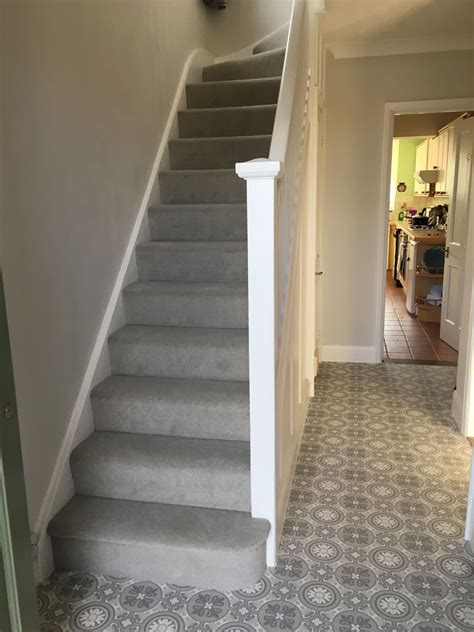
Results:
[261, 176]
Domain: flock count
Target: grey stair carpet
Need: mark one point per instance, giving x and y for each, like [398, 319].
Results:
[244, 120]
[218, 94]
[207, 409]
[192, 261]
[162, 543]
[168, 304]
[217, 153]
[276, 40]
[199, 222]
[170, 470]
[180, 352]
[268, 64]
[163, 484]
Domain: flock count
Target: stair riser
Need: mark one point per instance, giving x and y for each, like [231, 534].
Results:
[272, 42]
[198, 225]
[224, 419]
[161, 564]
[200, 266]
[268, 65]
[179, 361]
[226, 122]
[215, 95]
[206, 188]
[217, 153]
[186, 311]
[161, 483]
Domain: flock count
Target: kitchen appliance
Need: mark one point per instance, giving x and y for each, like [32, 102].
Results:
[428, 176]
[418, 221]
[397, 236]
[409, 277]
[402, 258]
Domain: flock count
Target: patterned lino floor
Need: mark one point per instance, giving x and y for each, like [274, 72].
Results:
[374, 534]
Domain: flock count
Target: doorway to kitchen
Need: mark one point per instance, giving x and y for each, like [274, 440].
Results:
[426, 298]
[425, 204]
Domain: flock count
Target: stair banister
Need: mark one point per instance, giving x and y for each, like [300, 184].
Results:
[279, 266]
[281, 128]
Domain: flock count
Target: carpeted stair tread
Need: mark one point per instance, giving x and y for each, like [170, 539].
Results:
[245, 120]
[208, 409]
[215, 261]
[273, 41]
[217, 153]
[180, 352]
[164, 469]
[215, 94]
[163, 484]
[202, 186]
[267, 64]
[182, 545]
[198, 222]
[220, 305]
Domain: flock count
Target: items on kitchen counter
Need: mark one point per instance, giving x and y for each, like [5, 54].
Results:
[433, 217]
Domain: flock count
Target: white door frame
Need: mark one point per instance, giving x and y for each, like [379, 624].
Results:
[402, 107]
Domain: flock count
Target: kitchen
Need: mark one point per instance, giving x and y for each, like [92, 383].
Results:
[419, 325]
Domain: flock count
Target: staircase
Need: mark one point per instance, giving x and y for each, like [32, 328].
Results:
[163, 484]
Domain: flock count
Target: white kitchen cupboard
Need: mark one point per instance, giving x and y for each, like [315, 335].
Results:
[444, 155]
[435, 153]
[421, 162]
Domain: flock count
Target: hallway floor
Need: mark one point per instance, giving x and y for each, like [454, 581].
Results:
[374, 532]
[408, 338]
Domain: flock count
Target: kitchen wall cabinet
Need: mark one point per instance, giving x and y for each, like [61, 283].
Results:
[444, 151]
[434, 153]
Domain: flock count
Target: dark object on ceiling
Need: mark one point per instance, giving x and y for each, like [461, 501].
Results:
[215, 4]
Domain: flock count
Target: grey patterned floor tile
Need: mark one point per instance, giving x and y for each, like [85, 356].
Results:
[373, 537]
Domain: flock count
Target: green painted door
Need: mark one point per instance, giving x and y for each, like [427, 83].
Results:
[18, 611]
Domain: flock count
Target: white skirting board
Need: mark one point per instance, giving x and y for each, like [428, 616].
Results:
[341, 353]
[80, 424]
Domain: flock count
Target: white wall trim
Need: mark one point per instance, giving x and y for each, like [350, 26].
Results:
[127, 270]
[341, 353]
[403, 46]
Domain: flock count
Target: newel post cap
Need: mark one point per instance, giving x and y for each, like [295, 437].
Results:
[259, 168]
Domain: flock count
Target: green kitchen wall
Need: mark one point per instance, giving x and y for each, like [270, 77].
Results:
[406, 162]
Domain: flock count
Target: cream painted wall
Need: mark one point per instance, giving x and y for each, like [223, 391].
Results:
[246, 21]
[357, 90]
[88, 87]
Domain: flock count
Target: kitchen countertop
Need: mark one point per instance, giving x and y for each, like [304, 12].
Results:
[426, 236]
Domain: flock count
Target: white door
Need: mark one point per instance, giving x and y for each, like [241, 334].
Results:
[459, 181]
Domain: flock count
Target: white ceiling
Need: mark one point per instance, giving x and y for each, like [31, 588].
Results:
[396, 25]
